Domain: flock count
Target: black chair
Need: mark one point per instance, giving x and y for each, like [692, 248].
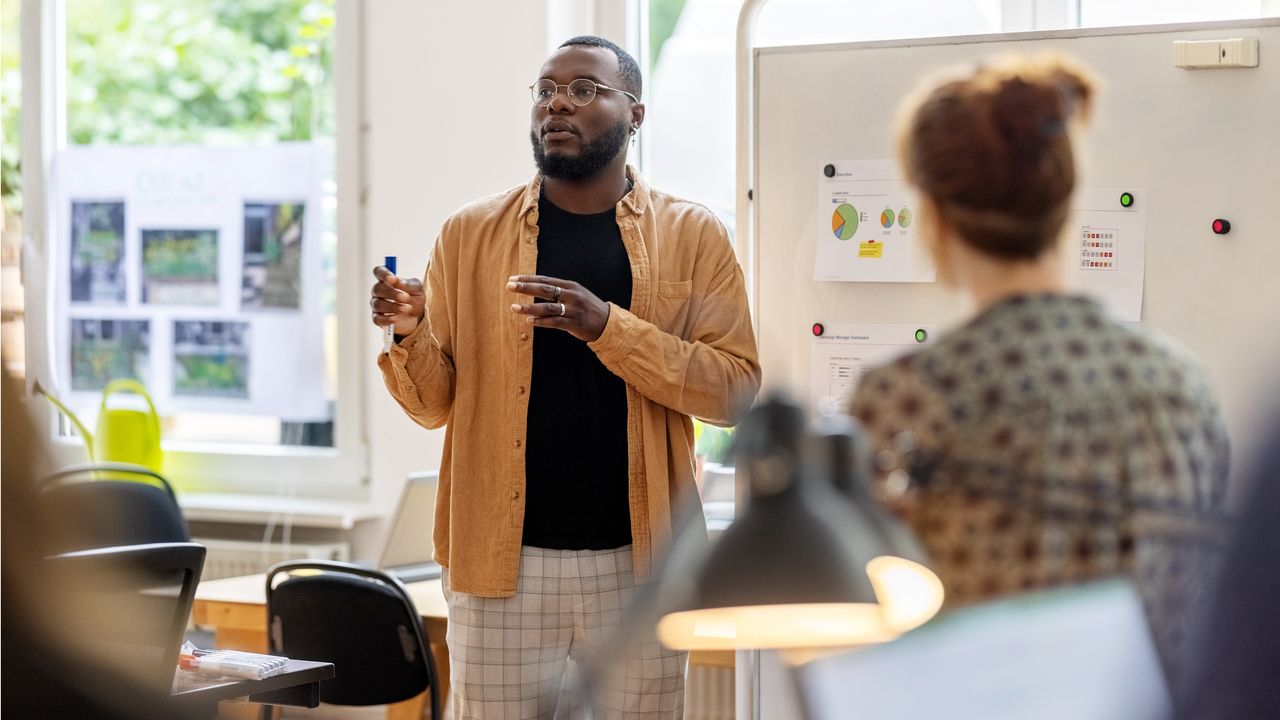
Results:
[362, 621]
[131, 605]
[110, 510]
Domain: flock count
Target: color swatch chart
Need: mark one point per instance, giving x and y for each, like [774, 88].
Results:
[1098, 248]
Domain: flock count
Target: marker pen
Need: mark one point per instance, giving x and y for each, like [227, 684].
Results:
[389, 332]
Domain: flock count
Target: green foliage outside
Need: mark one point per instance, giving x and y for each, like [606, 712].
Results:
[663, 15]
[10, 105]
[716, 443]
[183, 71]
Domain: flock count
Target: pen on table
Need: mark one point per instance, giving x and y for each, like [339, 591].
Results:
[389, 332]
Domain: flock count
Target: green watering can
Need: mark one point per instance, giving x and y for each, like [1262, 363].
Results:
[124, 434]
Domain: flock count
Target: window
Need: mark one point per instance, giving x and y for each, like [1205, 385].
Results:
[192, 232]
[1106, 13]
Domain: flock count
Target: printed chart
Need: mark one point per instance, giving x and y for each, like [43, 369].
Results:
[871, 238]
[844, 352]
[1106, 244]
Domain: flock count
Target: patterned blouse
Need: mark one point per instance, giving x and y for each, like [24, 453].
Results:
[1045, 443]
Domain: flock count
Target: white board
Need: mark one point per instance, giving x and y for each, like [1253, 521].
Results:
[1197, 144]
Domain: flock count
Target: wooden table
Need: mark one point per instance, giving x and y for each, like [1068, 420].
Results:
[197, 695]
[236, 610]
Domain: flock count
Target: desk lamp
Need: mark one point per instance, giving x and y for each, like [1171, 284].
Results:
[805, 566]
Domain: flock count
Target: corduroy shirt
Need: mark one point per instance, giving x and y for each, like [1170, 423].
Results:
[684, 348]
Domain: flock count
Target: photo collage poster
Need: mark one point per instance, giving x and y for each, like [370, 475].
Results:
[196, 271]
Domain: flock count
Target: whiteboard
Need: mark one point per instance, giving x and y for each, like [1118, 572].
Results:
[1201, 144]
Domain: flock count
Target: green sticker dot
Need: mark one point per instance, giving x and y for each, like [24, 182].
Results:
[1126, 199]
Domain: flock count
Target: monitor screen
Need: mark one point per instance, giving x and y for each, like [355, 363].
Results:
[1084, 652]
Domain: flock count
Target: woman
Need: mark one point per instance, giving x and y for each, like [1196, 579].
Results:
[1045, 442]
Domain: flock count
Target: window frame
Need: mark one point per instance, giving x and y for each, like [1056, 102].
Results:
[340, 472]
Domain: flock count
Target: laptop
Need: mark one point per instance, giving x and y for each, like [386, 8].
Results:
[1084, 652]
[406, 553]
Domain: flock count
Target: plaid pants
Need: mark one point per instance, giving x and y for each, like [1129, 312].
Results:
[508, 655]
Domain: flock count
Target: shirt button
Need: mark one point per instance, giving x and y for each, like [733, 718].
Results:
[520, 390]
[515, 494]
[524, 336]
[517, 443]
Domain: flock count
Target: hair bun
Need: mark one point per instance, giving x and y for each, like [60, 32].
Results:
[1034, 100]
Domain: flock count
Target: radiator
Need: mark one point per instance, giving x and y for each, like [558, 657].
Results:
[230, 558]
[708, 693]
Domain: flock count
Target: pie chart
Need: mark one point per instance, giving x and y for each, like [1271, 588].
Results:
[844, 221]
[886, 219]
[904, 218]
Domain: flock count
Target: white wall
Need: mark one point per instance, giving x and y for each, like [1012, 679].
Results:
[431, 148]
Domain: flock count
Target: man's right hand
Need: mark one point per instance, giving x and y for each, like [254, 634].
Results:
[396, 301]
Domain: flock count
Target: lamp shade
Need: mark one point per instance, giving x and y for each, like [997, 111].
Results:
[805, 565]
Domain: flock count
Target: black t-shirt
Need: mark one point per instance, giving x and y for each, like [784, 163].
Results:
[576, 492]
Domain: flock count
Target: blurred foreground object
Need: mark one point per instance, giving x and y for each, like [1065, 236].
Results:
[803, 566]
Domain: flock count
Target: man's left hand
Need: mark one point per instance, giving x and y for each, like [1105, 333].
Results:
[570, 307]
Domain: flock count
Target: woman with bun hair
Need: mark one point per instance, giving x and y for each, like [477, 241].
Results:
[1043, 442]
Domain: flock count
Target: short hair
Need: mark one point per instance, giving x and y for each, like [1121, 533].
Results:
[628, 68]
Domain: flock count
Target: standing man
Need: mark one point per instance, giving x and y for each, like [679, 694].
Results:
[566, 332]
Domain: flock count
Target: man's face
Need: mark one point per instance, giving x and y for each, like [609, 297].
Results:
[576, 143]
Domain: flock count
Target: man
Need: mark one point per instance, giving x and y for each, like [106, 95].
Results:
[566, 331]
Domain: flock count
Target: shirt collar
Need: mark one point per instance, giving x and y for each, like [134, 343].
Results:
[636, 201]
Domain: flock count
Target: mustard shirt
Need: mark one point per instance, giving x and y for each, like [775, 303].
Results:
[685, 348]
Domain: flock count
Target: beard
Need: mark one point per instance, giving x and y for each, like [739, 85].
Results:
[592, 158]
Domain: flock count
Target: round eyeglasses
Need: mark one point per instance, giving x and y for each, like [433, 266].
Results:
[581, 91]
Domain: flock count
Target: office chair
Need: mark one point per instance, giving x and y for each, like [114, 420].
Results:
[114, 510]
[359, 619]
[130, 608]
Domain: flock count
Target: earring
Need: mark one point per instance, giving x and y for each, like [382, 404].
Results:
[633, 129]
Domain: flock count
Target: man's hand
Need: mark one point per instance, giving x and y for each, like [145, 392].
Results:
[397, 301]
[572, 308]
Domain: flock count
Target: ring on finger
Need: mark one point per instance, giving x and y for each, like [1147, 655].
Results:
[562, 308]
[556, 297]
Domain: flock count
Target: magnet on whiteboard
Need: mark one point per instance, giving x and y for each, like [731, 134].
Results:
[829, 170]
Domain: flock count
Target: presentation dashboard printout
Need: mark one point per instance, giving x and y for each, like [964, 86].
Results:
[867, 228]
[196, 271]
[844, 352]
[1105, 245]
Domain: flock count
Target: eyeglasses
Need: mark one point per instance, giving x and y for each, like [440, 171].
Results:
[581, 91]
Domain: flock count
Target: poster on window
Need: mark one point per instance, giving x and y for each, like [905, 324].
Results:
[195, 270]
[97, 252]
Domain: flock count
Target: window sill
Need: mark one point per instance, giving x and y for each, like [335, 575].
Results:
[263, 509]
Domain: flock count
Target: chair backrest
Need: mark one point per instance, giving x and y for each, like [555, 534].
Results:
[113, 511]
[362, 621]
[131, 606]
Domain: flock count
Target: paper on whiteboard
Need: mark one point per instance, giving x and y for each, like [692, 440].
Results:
[197, 270]
[1106, 249]
[866, 225]
[846, 351]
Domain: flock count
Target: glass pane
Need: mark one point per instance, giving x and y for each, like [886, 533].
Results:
[11, 293]
[185, 307]
[1107, 13]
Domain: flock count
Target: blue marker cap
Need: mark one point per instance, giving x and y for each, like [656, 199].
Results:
[390, 263]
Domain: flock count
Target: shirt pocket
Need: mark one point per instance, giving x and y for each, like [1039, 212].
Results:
[673, 305]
